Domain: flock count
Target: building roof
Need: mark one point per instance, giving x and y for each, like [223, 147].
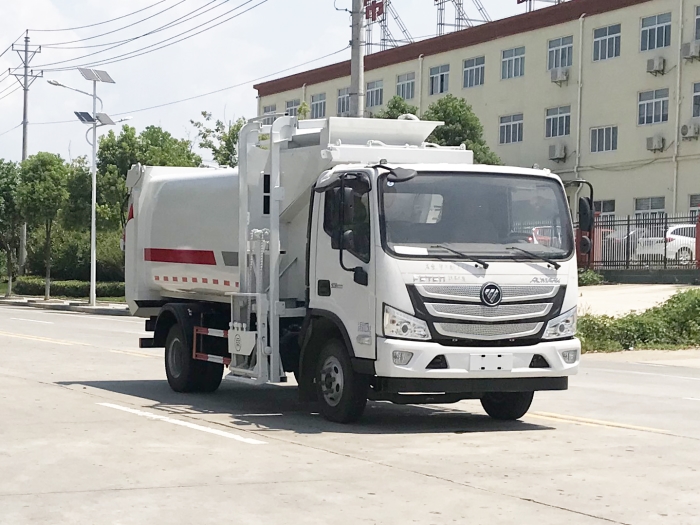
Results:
[549, 16]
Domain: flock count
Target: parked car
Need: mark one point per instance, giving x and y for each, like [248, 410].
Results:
[619, 245]
[678, 244]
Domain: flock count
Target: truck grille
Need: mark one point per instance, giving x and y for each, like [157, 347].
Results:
[488, 332]
[472, 293]
[477, 312]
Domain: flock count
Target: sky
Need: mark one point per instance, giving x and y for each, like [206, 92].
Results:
[273, 35]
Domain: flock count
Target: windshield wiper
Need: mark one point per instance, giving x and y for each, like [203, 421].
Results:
[484, 264]
[555, 264]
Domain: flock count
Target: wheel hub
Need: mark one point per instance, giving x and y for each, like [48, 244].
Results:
[332, 381]
[176, 357]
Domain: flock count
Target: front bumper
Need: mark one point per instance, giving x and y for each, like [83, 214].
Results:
[458, 360]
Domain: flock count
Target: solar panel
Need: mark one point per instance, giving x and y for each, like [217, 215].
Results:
[103, 76]
[84, 117]
[104, 119]
[88, 74]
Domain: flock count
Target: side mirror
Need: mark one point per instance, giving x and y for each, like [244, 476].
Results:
[584, 245]
[360, 276]
[585, 215]
[348, 240]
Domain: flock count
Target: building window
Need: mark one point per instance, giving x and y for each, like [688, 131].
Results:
[696, 100]
[406, 86]
[606, 42]
[513, 63]
[343, 102]
[561, 52]
[318, 105]
[474, 70]
[694, 206]
[656, 32]
[375, 93]
[439, 79]
[604, 139]
[266, 194]
[558, 122]
[292, 107]
[511, 129]
[604, 208]
[269, 110]
[653, 107]
[697, 23]
[650, 206]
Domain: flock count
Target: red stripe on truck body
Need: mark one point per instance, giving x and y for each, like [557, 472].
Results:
[204, 257]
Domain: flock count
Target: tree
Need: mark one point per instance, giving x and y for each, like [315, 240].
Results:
[461, 126]
[396, 107]
[10, 217]
[117, 153]
[221, 140]
[42, 192]
[303, 111]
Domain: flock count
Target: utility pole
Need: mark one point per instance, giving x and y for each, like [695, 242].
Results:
[25, 79]
[357, 68]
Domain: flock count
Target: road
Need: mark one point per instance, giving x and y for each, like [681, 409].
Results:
[91, 433]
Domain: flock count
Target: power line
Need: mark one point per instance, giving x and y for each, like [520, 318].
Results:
[118, 29]
[146, 50]
[208, 93]
[126, 40]
[11, 129]
[8, 87]
[10, 46]
[10, 93]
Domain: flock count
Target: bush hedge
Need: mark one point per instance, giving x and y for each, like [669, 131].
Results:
[73, 289]
[674, 324]
[590, 278]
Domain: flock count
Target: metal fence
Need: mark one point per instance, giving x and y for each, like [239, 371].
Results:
[654, 241]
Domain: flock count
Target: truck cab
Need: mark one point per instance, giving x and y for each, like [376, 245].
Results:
[385, 268]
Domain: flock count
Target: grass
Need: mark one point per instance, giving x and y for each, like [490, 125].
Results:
[118, 300]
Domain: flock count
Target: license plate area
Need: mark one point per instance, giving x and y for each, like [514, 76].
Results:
[490, 362]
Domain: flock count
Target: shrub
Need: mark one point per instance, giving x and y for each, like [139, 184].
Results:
[590, 278]
[676, 323]
[73, 289]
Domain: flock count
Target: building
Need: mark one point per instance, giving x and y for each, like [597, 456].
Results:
[605, 90]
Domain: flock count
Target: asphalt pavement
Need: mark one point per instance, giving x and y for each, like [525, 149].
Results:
[91, 433]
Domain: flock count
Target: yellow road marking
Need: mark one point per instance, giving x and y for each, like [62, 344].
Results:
[42, 339]
[595, 422]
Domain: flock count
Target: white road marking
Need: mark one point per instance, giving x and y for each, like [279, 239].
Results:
[670, 376]
[138, 354]
[691, 398]
[30, 320]
[178, 422]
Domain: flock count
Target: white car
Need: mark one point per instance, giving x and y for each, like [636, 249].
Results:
[677, 245]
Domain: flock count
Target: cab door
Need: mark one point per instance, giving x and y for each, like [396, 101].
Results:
[343, 283]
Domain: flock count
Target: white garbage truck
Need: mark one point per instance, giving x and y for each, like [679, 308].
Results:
[363, 260]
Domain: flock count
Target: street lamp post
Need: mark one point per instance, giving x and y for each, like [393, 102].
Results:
[96, 120]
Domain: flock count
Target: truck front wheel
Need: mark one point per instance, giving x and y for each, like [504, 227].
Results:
[342, 393]
[507, 406]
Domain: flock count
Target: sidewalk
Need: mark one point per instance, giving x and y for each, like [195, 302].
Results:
[620, 299]
[67, 305]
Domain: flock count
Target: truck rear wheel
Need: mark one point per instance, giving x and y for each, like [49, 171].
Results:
[507, 406]
[184, 373]
[342, 393]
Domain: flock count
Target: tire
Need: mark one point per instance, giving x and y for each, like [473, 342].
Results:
[184, 373]
[684, 256]
[507, 406]
[342, 393]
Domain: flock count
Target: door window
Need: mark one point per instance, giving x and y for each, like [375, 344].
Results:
[360, 225]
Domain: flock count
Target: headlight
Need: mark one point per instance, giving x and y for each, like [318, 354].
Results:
[562, 326]
[404, 326]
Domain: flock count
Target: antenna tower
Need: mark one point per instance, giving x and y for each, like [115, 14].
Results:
[461, 19]
[381, 12]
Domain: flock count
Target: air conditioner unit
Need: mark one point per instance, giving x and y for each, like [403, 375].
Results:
[690, 131]
[656, 143]
[560, 75]
[557, 152]
[691, 50]
[656, 66]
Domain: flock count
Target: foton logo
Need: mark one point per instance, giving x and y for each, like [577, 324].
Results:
[429, 279]
[491, 294]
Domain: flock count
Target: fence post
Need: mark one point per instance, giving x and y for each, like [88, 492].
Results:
[665, 240]
[697, 242]
[628, 243]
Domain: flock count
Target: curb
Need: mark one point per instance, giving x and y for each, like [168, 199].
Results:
[68, 306]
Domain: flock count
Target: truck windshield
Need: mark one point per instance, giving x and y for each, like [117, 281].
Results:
[438, 214]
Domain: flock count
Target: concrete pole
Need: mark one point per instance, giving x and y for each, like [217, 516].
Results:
[93, 221]
[23, 229]
[357, 68]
